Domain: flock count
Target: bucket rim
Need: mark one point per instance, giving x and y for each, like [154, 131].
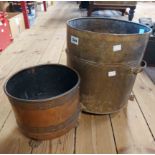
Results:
[47, 99]
[110, 34]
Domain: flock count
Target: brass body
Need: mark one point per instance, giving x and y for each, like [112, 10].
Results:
[93, 56]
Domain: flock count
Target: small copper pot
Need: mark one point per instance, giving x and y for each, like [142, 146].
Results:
[45, 100]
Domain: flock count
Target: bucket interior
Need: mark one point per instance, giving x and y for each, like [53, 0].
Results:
[41, 82]
[107, 25]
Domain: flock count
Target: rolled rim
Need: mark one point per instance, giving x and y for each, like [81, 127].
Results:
[111, 34]
[47, 99]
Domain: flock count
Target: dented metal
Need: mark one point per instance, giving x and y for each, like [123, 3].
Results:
[107, 53]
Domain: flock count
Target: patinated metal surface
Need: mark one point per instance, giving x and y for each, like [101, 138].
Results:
[97, 37]
[47, 116]
[100, 91]
[107, 54]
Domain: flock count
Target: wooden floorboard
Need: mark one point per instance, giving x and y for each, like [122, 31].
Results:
[144, 91]
[94, 135]
[11, 139]
[132, 130]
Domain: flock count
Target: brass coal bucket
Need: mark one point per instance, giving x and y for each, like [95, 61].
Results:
[45, 100]
[108, 54]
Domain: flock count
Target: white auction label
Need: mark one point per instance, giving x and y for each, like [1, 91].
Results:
[117, 48]
[111, 73]
[74, 40]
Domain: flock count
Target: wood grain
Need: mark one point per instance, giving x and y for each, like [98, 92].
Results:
[144, 91]
[11, 139]
[94, 135]
[131, 132]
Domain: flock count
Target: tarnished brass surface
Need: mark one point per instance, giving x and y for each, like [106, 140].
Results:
[100, 92]
[107, 54]
[46, 118]
[98, 36]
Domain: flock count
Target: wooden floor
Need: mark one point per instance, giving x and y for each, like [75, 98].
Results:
[132, 130]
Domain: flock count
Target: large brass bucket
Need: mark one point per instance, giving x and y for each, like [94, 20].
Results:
[107, 53]
[45, 100]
